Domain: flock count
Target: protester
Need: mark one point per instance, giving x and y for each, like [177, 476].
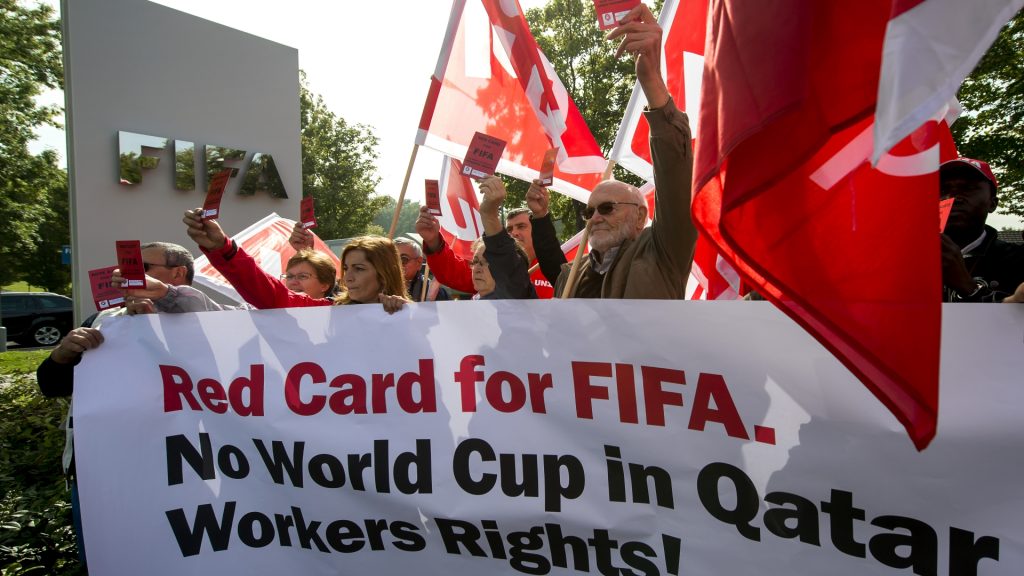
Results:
[412, 267]
[171, 264]
[312, 273]
[452, 270]
[627, 260]
[500, 265]
[976, 265]
[370, 266]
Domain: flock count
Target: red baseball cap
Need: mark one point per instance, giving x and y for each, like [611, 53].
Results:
[980, 165]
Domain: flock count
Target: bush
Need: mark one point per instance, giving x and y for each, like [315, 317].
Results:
[36, 534]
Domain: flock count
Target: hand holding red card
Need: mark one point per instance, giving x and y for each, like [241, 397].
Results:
[547, 167]
[214, 192]
[433, 197]
[945, 207]
[129, 260]
[611, 12]
[306, 213]
[104, 293]
[483, 156]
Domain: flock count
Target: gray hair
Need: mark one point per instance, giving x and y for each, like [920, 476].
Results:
[403, 241]
[176, 255]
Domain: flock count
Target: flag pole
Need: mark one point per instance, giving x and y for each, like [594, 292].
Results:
[426, 276]
[574, 272]
[401, 197]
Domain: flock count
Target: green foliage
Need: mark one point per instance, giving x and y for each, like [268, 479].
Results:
[36, 534]
[30, 62]
[337, 169]
[406, 218]
[991, 127]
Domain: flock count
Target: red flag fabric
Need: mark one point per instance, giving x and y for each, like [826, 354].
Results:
[460, 210]
[788, 197]
[491, 77]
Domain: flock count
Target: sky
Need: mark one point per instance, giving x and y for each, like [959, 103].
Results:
[371, 69]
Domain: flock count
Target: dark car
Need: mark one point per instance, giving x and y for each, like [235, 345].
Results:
[36, 318]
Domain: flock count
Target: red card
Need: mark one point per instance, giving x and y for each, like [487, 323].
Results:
[483, 155]
[104, 293]
[306, 213]
[945, 206]
[547, 167]
[129, 260]
[611, 12]
[214, 192]
[433, 197]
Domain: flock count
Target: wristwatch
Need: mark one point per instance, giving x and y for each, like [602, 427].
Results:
[980, 291]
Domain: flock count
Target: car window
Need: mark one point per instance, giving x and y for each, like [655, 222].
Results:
[53, 303]
[13, 304]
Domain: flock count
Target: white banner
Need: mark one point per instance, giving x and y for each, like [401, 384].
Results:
[540, 437]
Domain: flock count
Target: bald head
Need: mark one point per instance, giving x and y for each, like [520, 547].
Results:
[619, 214]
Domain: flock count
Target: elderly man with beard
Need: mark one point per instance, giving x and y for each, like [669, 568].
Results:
[628, 260]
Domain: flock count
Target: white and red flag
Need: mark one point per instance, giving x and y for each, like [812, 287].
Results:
[930, 48]
[786, 191]
[491, 77]
[460, 210]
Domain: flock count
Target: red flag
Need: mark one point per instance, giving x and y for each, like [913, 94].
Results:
[460, 210]
[787, 195]
[491, 77]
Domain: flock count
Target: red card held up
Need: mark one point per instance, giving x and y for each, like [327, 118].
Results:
[306, 213]
[945, 207]
[547, 167]
[433, 190]
[129, 260]
[214, 192]
[104, 293]
[611, 12]
[483, 155]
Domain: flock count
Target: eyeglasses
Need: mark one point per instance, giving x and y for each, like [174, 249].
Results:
[301, 276]
[147, 265]
[406, 259]
[604, 208]
[478, 262]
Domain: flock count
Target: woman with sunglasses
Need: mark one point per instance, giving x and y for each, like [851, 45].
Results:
[370, 268]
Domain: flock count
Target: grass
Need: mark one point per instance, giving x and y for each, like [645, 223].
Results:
[22, 287]
[36, 536]
[19, 363]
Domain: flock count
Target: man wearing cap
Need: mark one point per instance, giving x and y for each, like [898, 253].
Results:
[976, 265]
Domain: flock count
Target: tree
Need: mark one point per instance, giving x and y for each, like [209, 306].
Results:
[991, 125]
[337, 168]
[42, 266]
[30, 62]
[406, 218]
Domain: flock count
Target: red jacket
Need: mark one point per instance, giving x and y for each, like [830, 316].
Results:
[253, 284]
[453, 271]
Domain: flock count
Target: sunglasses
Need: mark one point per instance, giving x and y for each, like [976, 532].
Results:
[301, 276]
[147, 265]
[604, 208]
